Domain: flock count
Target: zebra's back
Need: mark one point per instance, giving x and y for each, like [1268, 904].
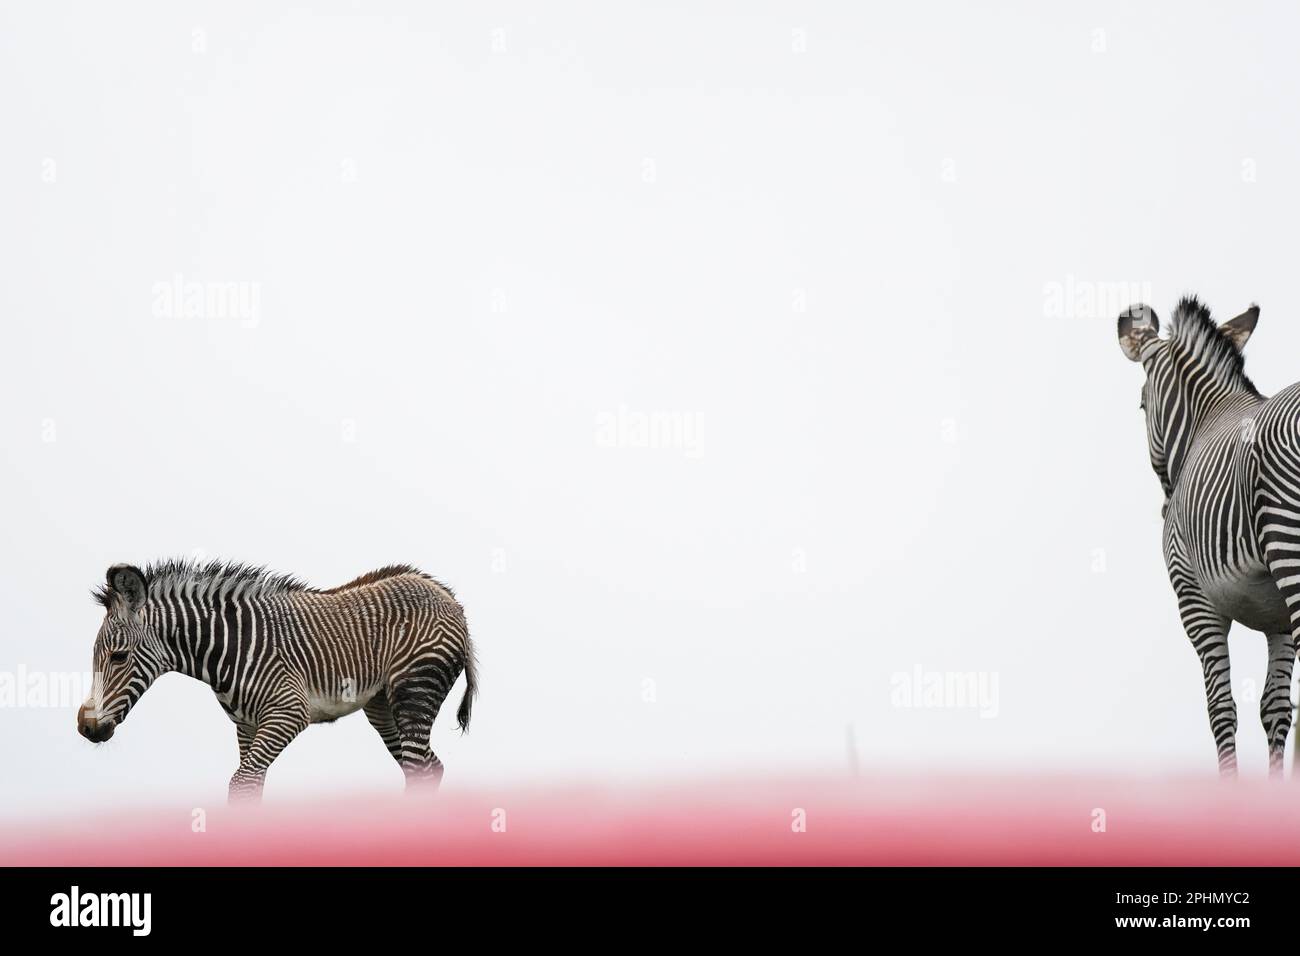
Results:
[386, 628]
[1218, 524]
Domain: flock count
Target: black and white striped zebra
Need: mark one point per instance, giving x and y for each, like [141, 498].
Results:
[280, 655]
[1229, 462]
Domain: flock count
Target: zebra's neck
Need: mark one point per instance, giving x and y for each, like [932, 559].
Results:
[202, 635]
[1205, 406]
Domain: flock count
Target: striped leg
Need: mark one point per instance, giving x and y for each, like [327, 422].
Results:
[273, 734]
[1212, 646]
[380, 714]
[415, 705]
[1278, 526]
[244, 734]
[1208, 631]
[1275, 705]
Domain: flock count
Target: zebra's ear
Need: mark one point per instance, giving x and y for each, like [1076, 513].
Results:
[1138, 327]
[127, 582]
[1238, 330]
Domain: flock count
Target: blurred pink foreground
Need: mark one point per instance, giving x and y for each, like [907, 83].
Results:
[889, 821]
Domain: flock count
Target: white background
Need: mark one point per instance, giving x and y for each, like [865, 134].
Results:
[874, 254]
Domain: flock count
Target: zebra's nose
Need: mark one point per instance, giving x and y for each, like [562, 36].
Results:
[93, 729]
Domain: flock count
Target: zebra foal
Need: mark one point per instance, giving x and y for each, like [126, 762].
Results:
[1228, 459]
[280, 655]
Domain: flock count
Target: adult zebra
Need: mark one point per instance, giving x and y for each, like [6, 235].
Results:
[1229, 462]
[280, 655]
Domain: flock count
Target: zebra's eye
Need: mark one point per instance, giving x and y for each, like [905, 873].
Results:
[118, 657]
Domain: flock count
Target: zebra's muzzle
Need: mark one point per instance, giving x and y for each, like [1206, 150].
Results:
[92, 728]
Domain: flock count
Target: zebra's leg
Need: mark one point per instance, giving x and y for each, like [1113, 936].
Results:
[415, 704]
[380, 714]
[1213, 651]
[1280, 535]
[275, 732]
[1275, 704]
[244, 734]
[1208, 632]
[1207, 629]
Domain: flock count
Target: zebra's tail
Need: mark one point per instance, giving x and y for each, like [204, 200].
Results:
[471, 687]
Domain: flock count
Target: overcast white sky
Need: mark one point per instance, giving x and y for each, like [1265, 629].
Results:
[864, 260]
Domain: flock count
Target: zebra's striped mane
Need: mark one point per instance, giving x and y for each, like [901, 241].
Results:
[167, 577]
[251, 581]
[1195, 333]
